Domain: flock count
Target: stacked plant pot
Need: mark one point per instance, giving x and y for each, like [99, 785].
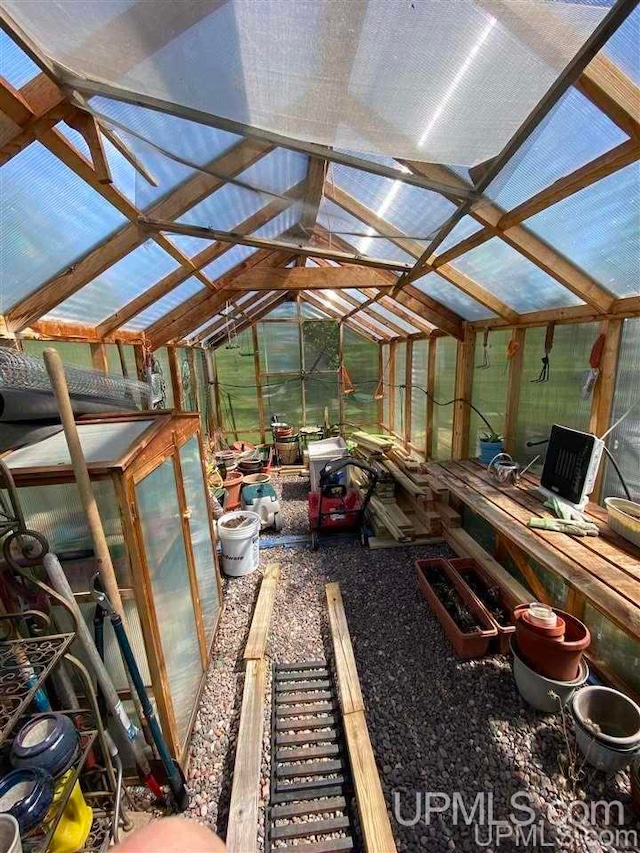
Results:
[607, 726]
[548, 651]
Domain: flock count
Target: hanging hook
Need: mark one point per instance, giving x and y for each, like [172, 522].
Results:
[545, 371]
[485, 363]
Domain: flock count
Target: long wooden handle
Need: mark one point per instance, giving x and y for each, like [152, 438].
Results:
[101, 549]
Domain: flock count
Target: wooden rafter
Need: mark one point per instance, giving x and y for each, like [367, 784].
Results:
[316, 174]
[121, 146]
[43, 106]
[194, 311]
[59, 288]
[305, 278]
[415, 249]
[167, 227]
[202, 259]
[625, 307]
[532, 247]
[87, 126]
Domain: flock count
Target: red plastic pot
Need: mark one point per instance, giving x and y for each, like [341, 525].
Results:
[464, 567]
[466, 645]
[555, 633]
[548, 657]
[232, 484]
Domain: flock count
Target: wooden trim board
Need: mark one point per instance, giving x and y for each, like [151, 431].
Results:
[372, 808]
[259, 631]
[242, 829]
[348, 681]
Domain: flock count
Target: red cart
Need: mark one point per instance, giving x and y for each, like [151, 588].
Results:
[335, 507]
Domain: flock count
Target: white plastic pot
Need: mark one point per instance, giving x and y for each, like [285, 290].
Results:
[545, 694]
[240, 545]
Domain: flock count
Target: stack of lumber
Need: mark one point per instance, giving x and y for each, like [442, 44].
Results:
[409, 504]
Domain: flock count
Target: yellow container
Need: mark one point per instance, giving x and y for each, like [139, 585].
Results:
[75, 824]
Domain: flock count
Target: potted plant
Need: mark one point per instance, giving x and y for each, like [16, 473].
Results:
[491, 443]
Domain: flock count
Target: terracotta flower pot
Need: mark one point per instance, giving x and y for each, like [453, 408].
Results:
[555, 632]
[557, 660]
[232, 484]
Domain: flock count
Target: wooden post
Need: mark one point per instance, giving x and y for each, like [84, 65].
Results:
[141, 369]
[213, 377]
[431, 385]
[604, 390]
[123, 360]
[340, 377]
[408, 392]
[303, 388]
[176, 384]
[99, 357]
[381, 383]
[392, 390]
[463, 389]
[192, 377]
[259, 397]
[514, 384]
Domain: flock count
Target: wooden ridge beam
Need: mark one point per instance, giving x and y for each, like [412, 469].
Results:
[305, 278]
[155, 225]
[202, 259]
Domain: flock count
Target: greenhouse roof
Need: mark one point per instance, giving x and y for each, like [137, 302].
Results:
[404, 192]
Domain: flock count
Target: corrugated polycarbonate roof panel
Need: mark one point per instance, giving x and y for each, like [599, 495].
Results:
[15, 65]
[512, 278]
[574, 133]
[190, 246]
[338, 221]
[623, 47]
[452, 297]
[384, 314]
[49, 217]
[174, 298]
[280, 224]
[116, 286]
[414, 211]
[231, 258]
[463, 229]
[225, 208]
[598, 228]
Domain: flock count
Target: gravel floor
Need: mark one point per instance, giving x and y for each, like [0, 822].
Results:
[437, 724]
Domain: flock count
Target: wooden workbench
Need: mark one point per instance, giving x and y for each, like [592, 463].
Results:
[602, 570]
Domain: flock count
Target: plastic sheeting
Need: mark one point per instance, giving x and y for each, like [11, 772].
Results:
[448, 294]
[489, 393]
[419, 380]
[162, 306]
[361, 362]
[348, 228]
[423, 80]
[598, 229]
[443, 391]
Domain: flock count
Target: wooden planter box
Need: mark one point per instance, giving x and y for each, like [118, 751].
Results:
[472, 645]
[464, 567]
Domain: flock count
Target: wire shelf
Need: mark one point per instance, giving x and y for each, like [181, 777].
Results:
[24, 666]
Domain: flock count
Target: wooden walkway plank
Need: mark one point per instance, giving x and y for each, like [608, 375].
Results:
[242, 830]
[372, 808]
[259, 631]
[348, 681]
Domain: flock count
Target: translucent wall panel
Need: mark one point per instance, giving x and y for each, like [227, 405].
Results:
[414, 211]
[320, 340]
[624, 441]
[610, 643]
[443, 392]
[163, 374]
[15, 65]
[448, 294]
[465, 228]
[237, 387]
[558, 401]
[45, 203]
[361, 362]
[284, 311]
[622, 47]
[512, 278]
[321, 391]
[56, 511]
[364, 239]
[597, 229]
[574, 133]
[310, 312]
[279, 347]
[399, 393]
[489, 386]
[203, 556]
[117, 285]
[162, 306]
[282, 395]
[165, 554]
[71, 352]
[386, 383]
[418, 397]
[187, 379]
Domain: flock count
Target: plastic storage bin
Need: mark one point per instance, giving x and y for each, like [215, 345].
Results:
[321, 452]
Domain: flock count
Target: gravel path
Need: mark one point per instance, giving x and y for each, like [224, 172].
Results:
[437, 724]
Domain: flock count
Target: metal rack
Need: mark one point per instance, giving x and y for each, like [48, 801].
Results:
[25, 666]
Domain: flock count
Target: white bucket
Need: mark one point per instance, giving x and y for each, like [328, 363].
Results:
[240, 545]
